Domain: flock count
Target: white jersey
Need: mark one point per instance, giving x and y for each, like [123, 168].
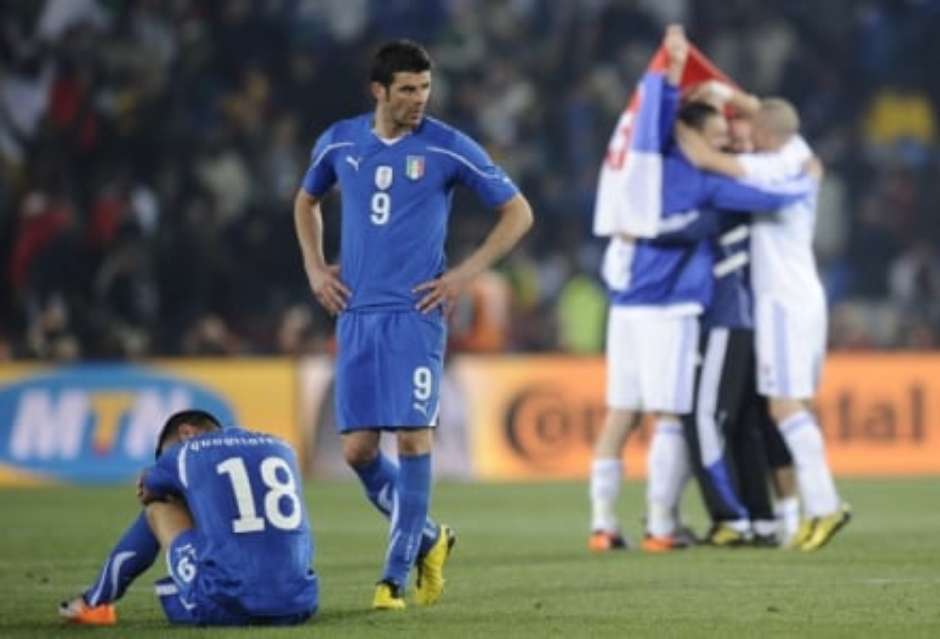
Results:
[783, 264]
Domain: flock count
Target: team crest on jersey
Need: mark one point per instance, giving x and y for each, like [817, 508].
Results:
[414, 166]
[383, 177]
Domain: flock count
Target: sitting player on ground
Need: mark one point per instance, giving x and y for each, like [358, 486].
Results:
[228, 509]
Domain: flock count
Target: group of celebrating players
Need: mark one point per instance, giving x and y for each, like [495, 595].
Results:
[226, 506]
[717, 326]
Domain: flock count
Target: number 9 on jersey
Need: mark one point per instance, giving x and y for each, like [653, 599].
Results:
[381, 207]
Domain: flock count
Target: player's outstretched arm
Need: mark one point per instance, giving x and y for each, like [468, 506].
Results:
[721, 94]
[730, 195]
[677, 51]
[515, 219]
[701, 155]
[324, 279]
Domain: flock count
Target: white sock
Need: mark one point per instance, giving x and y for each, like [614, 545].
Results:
[765, 527]
[787, 511]
[606, 477]
[817, 490]
[668, 470]
[742, 526]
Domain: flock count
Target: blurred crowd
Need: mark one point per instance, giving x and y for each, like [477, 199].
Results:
[150, 151]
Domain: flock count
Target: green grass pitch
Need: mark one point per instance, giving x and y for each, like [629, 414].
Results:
[520, 568]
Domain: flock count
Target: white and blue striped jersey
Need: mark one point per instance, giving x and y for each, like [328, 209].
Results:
[396, 198]
[732, 303]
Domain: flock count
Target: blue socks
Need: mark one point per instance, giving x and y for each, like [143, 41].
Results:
[413, 493]
[133, 554]
[380, 479]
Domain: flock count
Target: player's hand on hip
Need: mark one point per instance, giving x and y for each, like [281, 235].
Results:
[144, 496]
[442, 291]
[329, 289]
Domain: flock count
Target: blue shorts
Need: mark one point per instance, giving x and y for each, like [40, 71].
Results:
[388, 370]
[183, 600]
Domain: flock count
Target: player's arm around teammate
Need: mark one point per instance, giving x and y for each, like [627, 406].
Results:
[790, 310]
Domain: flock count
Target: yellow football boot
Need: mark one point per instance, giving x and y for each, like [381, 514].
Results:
[801, 536]
[826, 528]
[429, 584]
[724, 536]
[387, 597]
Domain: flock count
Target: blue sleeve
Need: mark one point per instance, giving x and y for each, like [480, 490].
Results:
[669, 110]
[321, 175]
[475, 170]
[727, 193]
[703, 225]
[162, 478]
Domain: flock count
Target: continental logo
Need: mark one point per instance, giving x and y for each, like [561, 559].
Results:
[552, 426]
[549, 426]
[896, 418]
[94, 422]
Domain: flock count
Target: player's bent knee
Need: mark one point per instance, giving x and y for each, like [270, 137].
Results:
[359, 456]
[360, 448]
[167, 520]
[414, 442]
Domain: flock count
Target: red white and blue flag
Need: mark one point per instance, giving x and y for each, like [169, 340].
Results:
[629, 191]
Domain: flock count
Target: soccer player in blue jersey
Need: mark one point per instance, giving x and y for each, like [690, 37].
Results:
[396, 169]
[228, 509]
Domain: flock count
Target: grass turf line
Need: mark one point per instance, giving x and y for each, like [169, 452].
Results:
[520, 568]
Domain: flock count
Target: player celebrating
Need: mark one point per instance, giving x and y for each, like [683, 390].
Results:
[396, 169]
[657, 290]
[727, 428]
[228, 509]
[790, 309]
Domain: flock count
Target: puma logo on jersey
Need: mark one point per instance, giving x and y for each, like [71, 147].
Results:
[353, 161]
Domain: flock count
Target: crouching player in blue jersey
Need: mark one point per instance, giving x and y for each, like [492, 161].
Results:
[228, 510]
[396, 169]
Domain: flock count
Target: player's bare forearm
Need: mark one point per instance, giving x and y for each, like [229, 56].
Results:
[515, 219]
[324, 279]
[703, 156]
[677, 51]
[308, 222]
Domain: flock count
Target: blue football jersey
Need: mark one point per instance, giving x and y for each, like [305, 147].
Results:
[659, 274]
[654, 272]
[245, 495]
[396, 199]
[732, 305]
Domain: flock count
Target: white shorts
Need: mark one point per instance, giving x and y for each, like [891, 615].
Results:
[651, 356]
[791, 348]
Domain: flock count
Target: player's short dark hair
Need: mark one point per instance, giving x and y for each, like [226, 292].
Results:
[398, 56]
[198, 418]
[696, 114]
